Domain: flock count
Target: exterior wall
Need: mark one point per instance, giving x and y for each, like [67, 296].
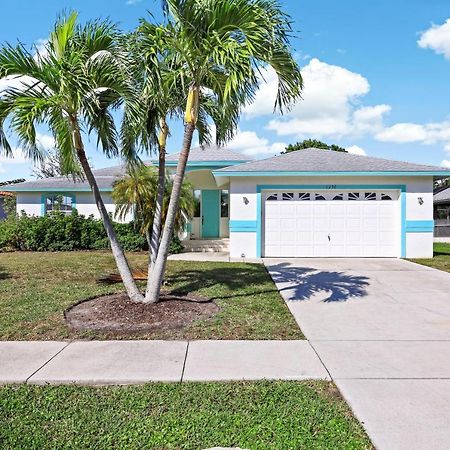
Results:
[31, 204]
[416, 204]
[86, 206]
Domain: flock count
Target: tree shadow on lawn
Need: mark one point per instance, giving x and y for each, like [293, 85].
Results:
[301, 282]
[3, 274]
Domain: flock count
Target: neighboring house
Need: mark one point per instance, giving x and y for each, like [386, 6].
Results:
[308, 203]
[442, 212]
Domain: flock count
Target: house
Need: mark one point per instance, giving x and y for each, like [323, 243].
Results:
[309, 203]
[442, 212]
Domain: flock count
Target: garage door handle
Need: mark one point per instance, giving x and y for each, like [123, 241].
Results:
[329, 238]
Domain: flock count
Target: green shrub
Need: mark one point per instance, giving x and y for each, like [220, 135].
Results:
[176, 246]
[60, 232]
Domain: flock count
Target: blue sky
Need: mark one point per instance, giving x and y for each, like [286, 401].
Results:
[377, 76]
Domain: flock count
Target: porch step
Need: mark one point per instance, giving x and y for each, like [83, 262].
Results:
[207, 245]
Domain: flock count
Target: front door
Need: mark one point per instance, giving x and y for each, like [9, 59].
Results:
[210, 213]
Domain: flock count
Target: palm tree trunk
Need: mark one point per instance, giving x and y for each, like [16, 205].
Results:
[157, 220]
[155, 280]
[119, 256]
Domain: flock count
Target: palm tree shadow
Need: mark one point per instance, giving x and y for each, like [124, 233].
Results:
[3, 274]
[295, 283]
[301, 283]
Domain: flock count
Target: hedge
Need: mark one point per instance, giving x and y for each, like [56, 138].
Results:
[61, 232]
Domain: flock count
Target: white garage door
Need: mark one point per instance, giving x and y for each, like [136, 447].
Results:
[331, 223]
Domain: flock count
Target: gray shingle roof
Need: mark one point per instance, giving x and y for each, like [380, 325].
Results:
[210, 153]
[442, 196]
[105, 178]
[316, 160]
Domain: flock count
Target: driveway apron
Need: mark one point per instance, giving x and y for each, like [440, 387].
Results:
[382, 329]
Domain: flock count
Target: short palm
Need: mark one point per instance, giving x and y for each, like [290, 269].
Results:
[136, 194]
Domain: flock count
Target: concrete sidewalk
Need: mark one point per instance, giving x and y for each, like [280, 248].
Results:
[133, 362]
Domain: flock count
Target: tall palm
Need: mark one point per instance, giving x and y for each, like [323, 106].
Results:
[160, 96]
[136, 193]
[217, 47]
[72, 86]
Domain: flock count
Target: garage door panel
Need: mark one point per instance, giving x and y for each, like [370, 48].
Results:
[300, 224]
[304, 223]
[288, 237]
[321, 223]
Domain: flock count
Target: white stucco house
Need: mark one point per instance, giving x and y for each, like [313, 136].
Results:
[309, 203]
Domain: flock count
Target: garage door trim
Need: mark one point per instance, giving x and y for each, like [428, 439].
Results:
[328, 187]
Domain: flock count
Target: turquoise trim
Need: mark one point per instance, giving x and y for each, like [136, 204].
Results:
[66, 194]
[262, 187]
[246, 226]
[43, 196]
[420, 226]
[270, 173]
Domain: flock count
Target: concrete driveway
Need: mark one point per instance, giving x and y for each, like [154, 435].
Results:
[382, 329]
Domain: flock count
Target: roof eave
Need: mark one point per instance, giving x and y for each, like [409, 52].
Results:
[60, 189]
[224, 163]
[272, 173]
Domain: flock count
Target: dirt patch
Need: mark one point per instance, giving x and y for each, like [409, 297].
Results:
[117, 315]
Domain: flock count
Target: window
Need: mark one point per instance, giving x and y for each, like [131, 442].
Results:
[224, 204]
[370, 196]
[272, 197]
[386, 197]
[338, 197]
[288, 196]
[319, 197]
[58, 202]
[305, 196]
[197, 196]
[353, 195]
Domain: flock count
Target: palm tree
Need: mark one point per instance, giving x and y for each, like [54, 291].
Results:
[136, 193]
[160, 96]
[216, 48]
[72, 86]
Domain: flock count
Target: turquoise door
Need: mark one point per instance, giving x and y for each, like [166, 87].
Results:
[210, 213]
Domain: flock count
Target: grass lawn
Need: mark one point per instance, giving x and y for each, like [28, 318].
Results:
[441, 258]
[35, 289]
[251, 415]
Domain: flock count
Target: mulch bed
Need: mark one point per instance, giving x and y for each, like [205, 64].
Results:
[118, 315]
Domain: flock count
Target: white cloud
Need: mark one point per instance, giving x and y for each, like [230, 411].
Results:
[14, 82]
[446, 163]
[369, 119]
[249, 143]
[18, 157]
[132, 2]
[429, 133]
[45, 141]
[355, 150]
[402, 132]
[437, 38]
[329, 105]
